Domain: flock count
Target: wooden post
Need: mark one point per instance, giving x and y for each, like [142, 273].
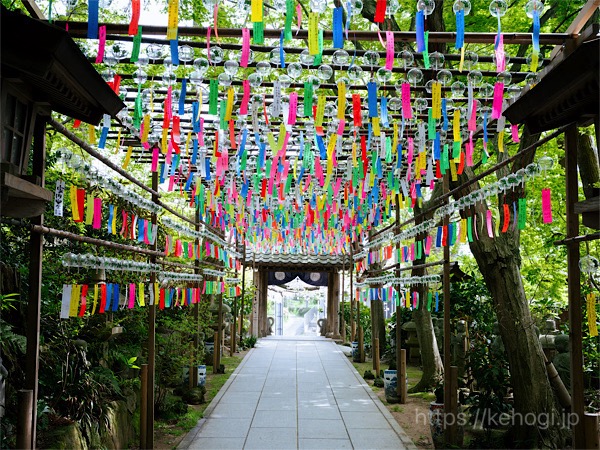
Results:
[352, 322]
[401, 384]
[215, 350]
[143, 404]
[574, 288]
[343, 309]
[231, 338]
[376, 356]
[452, 418]
[446, 282]
[243, 293]
[34, 298]
[25, 419]
[400, 352]
[361, 344]
[220, 332]
[591, 431]
[151, 338]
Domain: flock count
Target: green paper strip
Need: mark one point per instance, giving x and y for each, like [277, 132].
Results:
[484, 157]
[213, 97]
[308, 99]
[319, 57]
[522, 213]
[431, 122]
[258, 33]
[137, 112]
[470, 228]
[222, 112]
[137, 40]
[289, 17]
[426, 51]
[429, 300]
[445, 163]
[388, 150]
[455, 150]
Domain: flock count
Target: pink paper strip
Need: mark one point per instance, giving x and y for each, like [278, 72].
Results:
[546, 206]
[469, 150]
[428, 243]
[341, 126]
[299, 15]
[514, 129]
[131, 295]
[154, 167]
[245, 47]
[472, 125]
[97, 223]
[389, 55]
[500, 56]
[101, 43]
[208, 44]
[490, 227]
[406, 109]
[411, 150]
[497, 103]
[293, 108]
[245, 98]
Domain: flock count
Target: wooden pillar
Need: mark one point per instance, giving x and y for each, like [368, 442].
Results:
[400, 352]
[264, 303]
[335, 306]
[151, 339]
[343, 309]
[352, 323]
[574, 288]
[329, 306]
[449, 430]
[36, 248]
[243, 293]
[401, 383]
[143, 405]
[254, 322]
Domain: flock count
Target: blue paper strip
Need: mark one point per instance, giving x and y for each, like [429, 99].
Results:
[182, 97]
[109, 290]
[281, 52]
[420, 26]
[460, 29]
[372, 94]
[103, 136]
[384, 112]
[188, 184]
[115, 302]
[436, 147]
[174, 44]
[338, 32]
[444, 115]
[536, 31]
[438, 238]
[92, 19]
[162, 172]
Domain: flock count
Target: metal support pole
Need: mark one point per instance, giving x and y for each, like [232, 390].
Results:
[574, 288]
[243, 291]
[343, 309]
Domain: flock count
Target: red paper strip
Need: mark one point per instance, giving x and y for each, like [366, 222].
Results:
[84, 291]
[135, 17]
[506, 214]
[356, 105]
[380, 11]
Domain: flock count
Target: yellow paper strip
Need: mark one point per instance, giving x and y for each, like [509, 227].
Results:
[341, 112]
[173, 20]
[146, 128]
[74, 208]
[453, 170]
[118, 146]
[501, 141]
[395, 139]
[313, 33]
[376, 128]
[141, 300]
[95, 304]
[91, 134]
[256, 13]
[462, 59]
[320, 110]
[229, 109]
[436, 102]
[114, 222]
[127, 157]
[188, 139]
[75, 296]
[164, 142]
[456, 125]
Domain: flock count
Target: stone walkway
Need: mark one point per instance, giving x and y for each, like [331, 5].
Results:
[296, 394]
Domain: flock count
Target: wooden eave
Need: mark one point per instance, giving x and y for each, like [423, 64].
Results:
[54, 68]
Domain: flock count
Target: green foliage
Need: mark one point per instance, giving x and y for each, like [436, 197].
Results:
[365, 320]
[249, 341]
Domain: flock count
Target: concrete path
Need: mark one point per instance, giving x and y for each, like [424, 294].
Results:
[299, 393]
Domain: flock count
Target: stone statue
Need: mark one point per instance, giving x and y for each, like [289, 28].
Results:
[562, 360]
[459, 347]
[438, 329]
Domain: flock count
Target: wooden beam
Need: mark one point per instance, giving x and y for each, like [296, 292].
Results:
[33, 9]
[578, 23]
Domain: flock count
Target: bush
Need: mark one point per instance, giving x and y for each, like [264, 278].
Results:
[249, 341]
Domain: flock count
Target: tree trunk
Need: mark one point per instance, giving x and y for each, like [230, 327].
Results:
[431, 361]
[537, 422]
[377, 326]
[587, 161]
